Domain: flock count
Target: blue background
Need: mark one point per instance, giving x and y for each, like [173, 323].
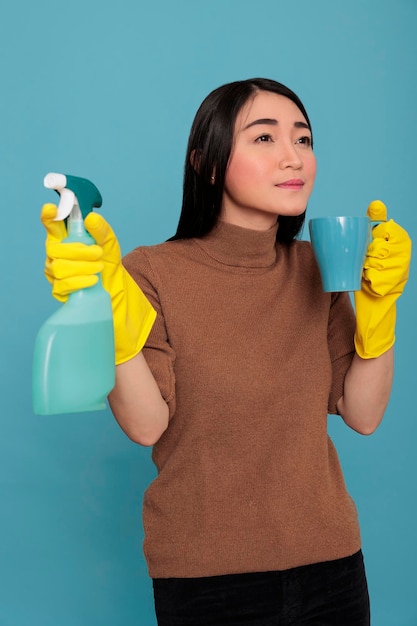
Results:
[108, 91]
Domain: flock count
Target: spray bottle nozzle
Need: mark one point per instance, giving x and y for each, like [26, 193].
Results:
[74, 191]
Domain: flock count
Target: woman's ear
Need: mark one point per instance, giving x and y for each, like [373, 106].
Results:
[195, 159]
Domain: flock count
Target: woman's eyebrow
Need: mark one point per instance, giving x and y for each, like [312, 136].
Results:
[264, 120]
[273, 122]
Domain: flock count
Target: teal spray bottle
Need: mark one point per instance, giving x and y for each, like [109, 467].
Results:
[74, 364]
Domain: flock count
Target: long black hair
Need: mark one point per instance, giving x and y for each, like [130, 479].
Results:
[208, 152]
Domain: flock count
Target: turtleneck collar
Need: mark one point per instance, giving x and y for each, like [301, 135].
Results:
[240, 247]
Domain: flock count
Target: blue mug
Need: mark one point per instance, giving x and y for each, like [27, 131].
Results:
[340, 245]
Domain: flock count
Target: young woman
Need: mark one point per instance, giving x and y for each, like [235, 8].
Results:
[229, 358]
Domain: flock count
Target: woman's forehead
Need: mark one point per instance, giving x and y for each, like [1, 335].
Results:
[267, 105]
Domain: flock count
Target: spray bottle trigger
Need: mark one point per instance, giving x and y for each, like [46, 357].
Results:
[58, 182]
[66, 204]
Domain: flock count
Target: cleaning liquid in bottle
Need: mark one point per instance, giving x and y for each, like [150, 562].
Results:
[74, 363]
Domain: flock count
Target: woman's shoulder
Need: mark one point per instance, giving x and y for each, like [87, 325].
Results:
[165, 249]
[168, 254]
[300, 260]
[301, 249]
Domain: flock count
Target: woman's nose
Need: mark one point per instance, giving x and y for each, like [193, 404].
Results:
[289, 157]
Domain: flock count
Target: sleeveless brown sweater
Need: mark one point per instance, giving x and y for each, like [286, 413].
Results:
[250, 355]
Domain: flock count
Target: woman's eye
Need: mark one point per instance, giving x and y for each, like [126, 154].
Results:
[305, 141]
[263, 138]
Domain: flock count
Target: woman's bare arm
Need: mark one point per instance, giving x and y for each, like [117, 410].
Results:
[137, 403]
[367, 391]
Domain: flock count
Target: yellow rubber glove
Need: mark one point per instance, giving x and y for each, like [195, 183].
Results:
[384, 276]
[73, 266]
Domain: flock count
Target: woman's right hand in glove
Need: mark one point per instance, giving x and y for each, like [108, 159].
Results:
[73, 266]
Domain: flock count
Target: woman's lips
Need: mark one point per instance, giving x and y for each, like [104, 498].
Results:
[294, 184]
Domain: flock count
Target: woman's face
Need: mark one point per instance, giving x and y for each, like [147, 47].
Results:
[272, 166]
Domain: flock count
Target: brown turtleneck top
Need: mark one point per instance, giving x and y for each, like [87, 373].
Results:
[250, 355]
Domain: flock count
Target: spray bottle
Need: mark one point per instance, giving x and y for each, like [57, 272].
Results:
[73, 367]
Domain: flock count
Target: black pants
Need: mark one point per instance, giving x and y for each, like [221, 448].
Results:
[333, 593]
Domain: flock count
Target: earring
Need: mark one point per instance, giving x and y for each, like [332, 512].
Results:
[212, 179]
